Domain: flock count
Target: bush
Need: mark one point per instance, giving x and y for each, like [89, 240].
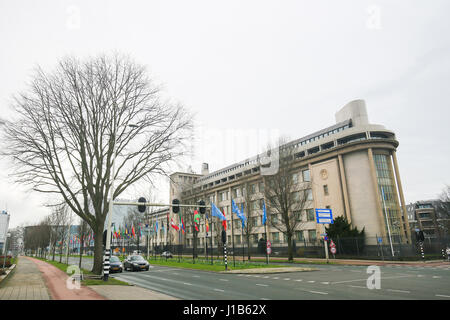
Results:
[8, 262]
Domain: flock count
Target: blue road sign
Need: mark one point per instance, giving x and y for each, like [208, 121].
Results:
[380, 240]
[324, 216]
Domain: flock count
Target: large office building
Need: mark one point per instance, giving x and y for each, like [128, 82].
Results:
[350, 167]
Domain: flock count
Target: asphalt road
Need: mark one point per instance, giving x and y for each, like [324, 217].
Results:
[328, 282]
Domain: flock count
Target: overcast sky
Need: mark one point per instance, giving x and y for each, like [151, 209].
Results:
[250, 70]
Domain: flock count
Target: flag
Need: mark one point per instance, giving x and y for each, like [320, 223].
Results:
[206, 223]
[156, 226]
[182, 225]
[172, 223]
[216, 212]
[196, 219]
[224, 222]
[264, 214]
[239, 213]
[132, 230]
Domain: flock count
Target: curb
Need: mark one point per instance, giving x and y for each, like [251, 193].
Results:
[8, 272]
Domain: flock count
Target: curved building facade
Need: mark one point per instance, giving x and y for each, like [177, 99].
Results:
[351, 167]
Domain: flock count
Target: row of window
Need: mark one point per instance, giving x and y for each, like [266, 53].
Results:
[275, 237]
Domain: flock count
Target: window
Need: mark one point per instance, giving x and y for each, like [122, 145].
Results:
[275, 237]
[294, 178]
[261, 187]
[299, 235]
[253, 188]
[254, 205]
[237, 239]
[236, 192]
[312, 235]
[296, 196]
[298, 215]
[310, 215]
[308, 194]
[325, 190]
[306, 176]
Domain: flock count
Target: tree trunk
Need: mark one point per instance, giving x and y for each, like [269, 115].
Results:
[290, 253]
[248, 247]
[81, 253]
[98, 249]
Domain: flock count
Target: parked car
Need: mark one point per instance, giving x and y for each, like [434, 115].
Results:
[166, 254]
[137, 252]
[135, 262]
[115, 265]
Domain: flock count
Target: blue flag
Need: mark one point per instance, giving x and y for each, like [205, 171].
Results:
[239, 213]
[264, 214]
[156, 227]
[215, 212]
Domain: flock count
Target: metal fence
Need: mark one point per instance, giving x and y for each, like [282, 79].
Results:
[369, 248]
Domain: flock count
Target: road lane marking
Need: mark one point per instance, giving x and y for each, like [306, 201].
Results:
[188, 284]
[442, 295]
[196, 276]
[436, 277]
[311, 281]
[325, 283]
[318, 292]
[266, 277]
[405, 276]
[220, 290]
[276, 278]
[286, 279]
[298, 280]
[223, 280]
[262, 285]
[401, 291]
[357, 286]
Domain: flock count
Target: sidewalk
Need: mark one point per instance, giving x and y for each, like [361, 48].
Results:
[25, 283]
[34, 279]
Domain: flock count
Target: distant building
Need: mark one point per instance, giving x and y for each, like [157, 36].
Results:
[351, 166]
[423, 215]
[4, 224]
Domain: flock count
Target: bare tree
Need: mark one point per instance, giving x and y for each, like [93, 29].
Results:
[443, 212]
[286, 199]
[73, 123]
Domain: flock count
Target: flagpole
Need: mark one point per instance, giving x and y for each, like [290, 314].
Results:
[232, 230]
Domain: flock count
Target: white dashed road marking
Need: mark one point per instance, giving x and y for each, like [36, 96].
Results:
[318, 292]
[261, 285]
[401, 291]
[442, 295]
[220, 290]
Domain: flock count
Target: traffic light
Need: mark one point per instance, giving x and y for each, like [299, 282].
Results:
[420, 236]
[143, 207]
[104, 237]
[201, 207]
[224, 236]
[175, 205]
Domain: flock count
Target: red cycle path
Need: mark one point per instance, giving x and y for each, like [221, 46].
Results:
[55, 280]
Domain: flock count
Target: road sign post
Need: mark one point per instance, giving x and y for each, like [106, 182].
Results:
[324, 216]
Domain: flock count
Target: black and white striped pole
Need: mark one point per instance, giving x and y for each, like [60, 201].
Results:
[224, 240]
[421, 250]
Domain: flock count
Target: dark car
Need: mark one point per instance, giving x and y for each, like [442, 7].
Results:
[115, 265]
[135, 262]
